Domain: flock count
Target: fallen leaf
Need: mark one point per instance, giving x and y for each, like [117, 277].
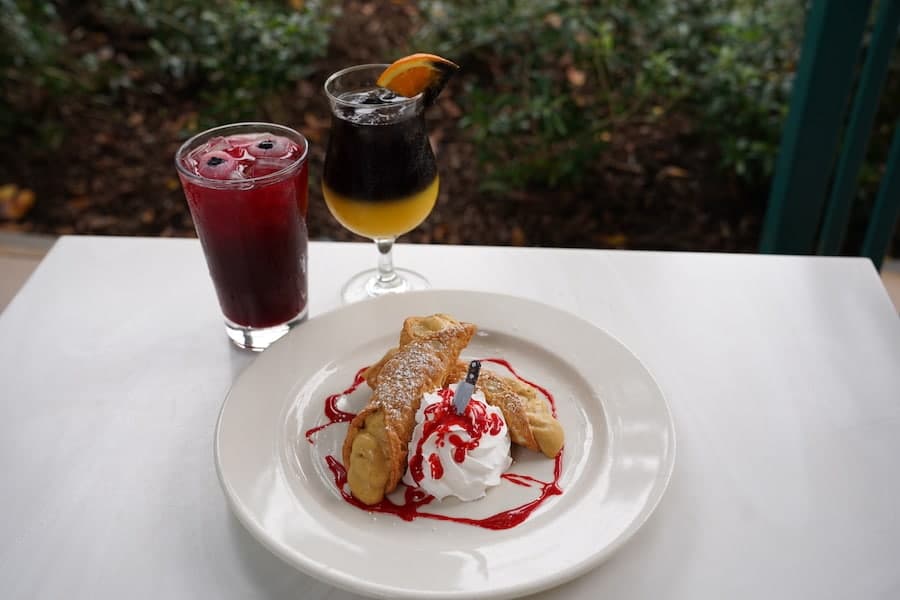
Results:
[186, 121]
[673, 172]
[314, 121]
[517, 236]
[106, 53]
[553, 20]
[99, 222]
[615, 240]
[15, 202]
[627, 167]
[78, 203]
[576, 76]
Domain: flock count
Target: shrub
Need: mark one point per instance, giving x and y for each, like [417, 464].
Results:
[29, 62]
[547, 82]
[236, 53]
[529, 121]
[736, 61]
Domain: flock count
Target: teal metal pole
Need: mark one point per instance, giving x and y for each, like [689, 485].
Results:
[865, 106]
[886, 209]
[834, 31]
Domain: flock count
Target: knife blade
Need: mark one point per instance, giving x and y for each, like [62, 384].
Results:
[465, 388]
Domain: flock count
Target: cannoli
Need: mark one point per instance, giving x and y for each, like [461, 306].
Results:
[528, 417]
[375, 450]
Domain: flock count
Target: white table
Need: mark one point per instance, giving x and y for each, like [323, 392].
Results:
[783, 376]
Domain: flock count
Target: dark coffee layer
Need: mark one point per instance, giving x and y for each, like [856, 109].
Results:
[379, 162]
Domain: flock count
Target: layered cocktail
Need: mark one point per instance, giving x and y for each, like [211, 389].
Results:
[380, 178]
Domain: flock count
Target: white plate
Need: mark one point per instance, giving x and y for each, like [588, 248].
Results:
[619, 454]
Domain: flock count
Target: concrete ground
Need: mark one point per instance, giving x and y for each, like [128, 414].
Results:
[890, 276]
[20, 254]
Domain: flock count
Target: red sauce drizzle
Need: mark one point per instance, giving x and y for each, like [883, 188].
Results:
[332, 412]
[440, 418]
[414, 498]
[437, 469]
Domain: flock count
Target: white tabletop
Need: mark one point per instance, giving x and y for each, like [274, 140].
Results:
[782, 373]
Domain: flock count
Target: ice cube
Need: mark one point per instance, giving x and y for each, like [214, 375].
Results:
[386, 95]
[245, 139]
[267, 166]
[217, 143]
[217, 165]
[271, 146]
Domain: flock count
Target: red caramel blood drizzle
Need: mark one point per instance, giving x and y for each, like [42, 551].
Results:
[437, 469]
[332, 412]
[414, 498]
[440, 418]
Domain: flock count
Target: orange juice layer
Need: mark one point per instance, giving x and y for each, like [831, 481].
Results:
[382, 218]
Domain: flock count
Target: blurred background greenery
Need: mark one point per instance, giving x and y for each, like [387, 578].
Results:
[628, 123]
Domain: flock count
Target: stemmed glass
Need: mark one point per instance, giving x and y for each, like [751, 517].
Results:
[380, 178]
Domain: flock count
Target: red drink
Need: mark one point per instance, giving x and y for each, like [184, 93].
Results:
[246, 186]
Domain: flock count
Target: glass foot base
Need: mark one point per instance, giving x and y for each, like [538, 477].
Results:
[258, 339]
[365, 285]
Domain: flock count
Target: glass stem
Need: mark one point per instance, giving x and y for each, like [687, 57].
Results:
[387, 277]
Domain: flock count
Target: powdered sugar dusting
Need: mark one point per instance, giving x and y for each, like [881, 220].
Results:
[417, 368]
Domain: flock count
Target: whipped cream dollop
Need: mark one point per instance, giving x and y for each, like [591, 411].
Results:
[457, 455]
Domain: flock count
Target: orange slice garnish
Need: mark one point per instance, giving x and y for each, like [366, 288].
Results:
[418, 73]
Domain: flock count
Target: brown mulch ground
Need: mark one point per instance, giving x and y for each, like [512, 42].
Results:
[657, 186]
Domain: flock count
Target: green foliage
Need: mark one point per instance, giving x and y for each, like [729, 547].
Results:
[236, 52]
[547, 82]
[528, 120]
[29, 58]
[233, 54]
[29, 38]
[735, 61]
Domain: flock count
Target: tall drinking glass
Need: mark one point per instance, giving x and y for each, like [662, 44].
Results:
[246, 186]
[380, 178]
